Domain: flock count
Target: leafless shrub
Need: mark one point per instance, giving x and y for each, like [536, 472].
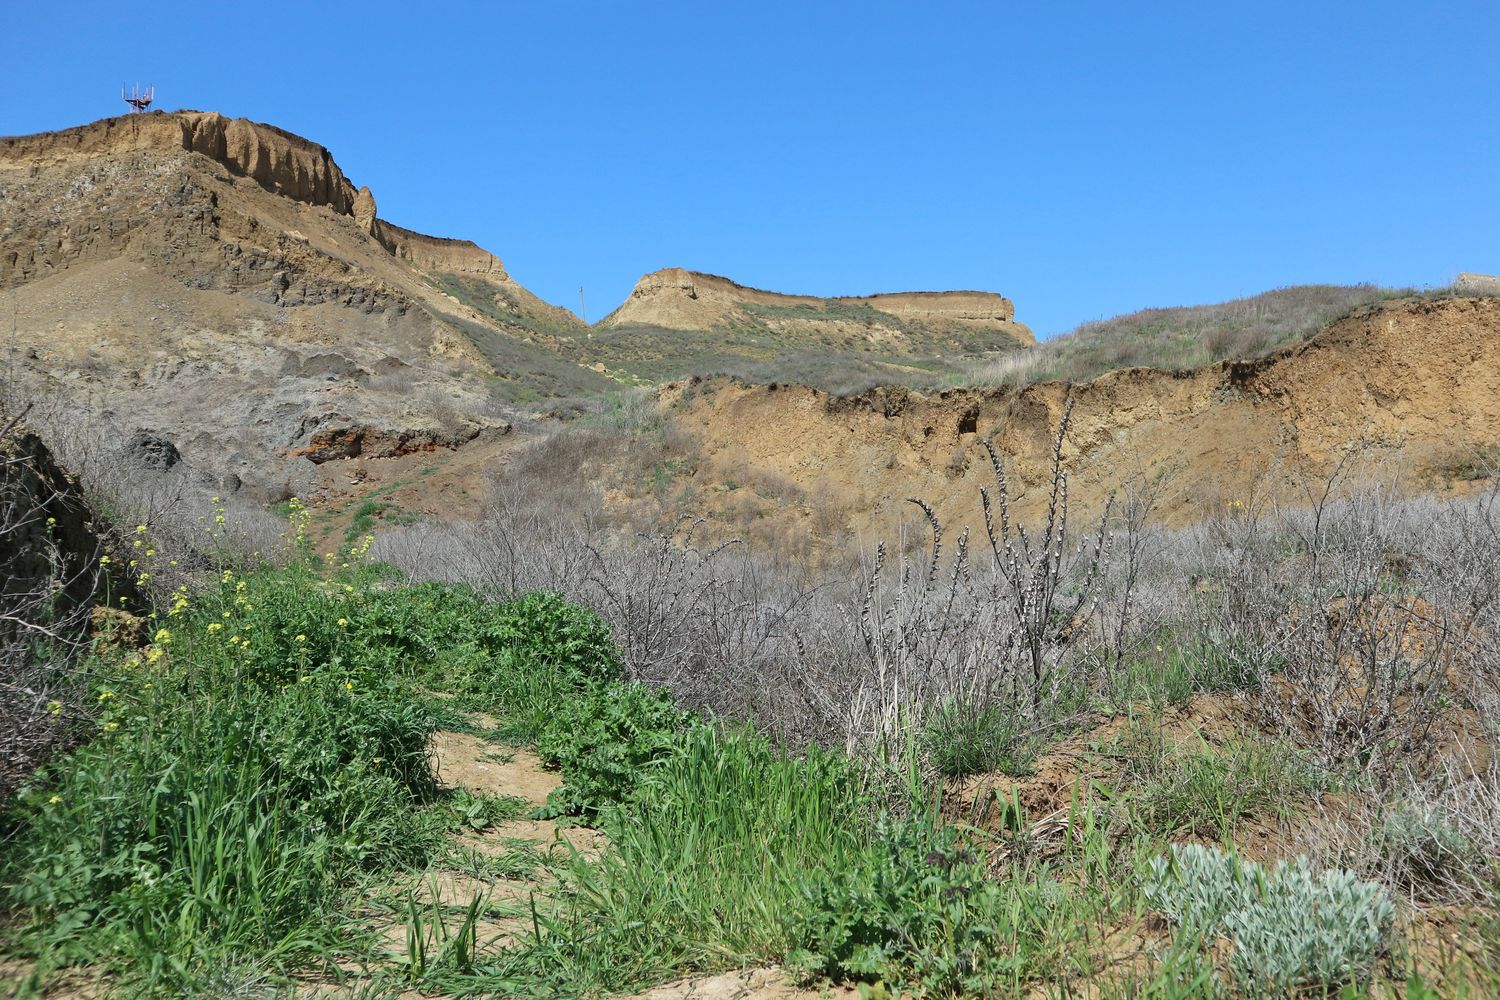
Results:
[1011, 633]
[1368, 617]
[48, 575]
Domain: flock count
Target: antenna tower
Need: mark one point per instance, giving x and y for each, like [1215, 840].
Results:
[139, 100]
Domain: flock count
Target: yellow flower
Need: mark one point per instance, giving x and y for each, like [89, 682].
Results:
[162, 636]
[150, 553]
[376, 761]
[104, 560]
[110, 727]
[348, 685]
[301, 638]
[140, 529]
[153, 654]
[51, 521]
[106, 695]
[227, 614]
[303, 679]
[218, 518]
[214, 626]
[55, 707]
[136, 544]
[54, 800]
[234, 640]
[343, 622]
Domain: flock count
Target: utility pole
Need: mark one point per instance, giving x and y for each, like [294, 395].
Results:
[582, 309]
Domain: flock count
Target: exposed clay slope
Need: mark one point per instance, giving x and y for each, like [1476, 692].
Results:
[679, 322]
[1417, 382]
[224, 284]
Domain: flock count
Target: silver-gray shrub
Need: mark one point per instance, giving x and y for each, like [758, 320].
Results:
[1291, 926]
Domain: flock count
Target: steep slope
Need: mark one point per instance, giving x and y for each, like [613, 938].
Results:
[1409, 384]
[679, 322]
[223, 284]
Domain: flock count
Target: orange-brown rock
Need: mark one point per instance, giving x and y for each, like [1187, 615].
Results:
[677, 299]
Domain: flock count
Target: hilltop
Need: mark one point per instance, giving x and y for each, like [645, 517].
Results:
[677, 322]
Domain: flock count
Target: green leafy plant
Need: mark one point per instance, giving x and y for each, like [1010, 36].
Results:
[605, 741]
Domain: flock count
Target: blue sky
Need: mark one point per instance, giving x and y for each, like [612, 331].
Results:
[1084, 159]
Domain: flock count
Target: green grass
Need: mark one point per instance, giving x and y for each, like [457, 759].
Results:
[1204, 788]
[974, 739]
[240, 806]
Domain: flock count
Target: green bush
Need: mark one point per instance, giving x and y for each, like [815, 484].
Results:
[919, 912]
[1291, 927]
[605, 740]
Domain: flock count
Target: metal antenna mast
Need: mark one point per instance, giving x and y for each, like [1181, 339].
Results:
[138, 99]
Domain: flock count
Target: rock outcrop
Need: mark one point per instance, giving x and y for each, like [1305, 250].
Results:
[284, 163]
[677, 299]
[1477, 284]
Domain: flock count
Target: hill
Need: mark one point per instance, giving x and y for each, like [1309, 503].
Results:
[1412, 382]
[1182, 337]
[222, 284]
[677, 323]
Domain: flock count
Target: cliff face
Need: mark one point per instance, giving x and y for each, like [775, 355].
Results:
[224, 286]
[284, 163]
[1412, 385]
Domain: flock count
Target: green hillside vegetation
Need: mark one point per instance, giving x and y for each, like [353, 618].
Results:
[1184, 337]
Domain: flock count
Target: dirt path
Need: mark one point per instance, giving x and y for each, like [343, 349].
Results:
[468, 762]
[504, 867]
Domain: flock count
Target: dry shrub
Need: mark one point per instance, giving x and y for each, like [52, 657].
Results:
[48, 578]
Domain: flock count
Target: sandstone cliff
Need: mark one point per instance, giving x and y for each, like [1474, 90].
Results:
[284, 163]
[223, 285]
[679, 322]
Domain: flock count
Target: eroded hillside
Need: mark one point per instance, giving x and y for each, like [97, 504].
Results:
[1413, 384]
[222, 284]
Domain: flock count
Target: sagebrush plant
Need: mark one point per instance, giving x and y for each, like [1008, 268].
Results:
[1290, 926]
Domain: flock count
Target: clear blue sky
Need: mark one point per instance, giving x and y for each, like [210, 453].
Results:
[1083, 159]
